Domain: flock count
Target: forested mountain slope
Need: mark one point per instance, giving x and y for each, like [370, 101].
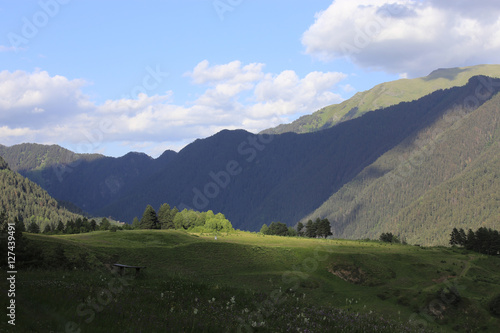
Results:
[384, 95]
[33, 156]
[372, 174]
[87, 180]
[24, 199]
[286, 177]
[446, 175]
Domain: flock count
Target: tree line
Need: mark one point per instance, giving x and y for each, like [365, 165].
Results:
[172, 218]
[77, 226]
[320, 228]
[483, 240]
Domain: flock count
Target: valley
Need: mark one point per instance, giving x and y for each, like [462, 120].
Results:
[248, 282]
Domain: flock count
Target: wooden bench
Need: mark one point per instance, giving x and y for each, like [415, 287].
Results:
[122, 268]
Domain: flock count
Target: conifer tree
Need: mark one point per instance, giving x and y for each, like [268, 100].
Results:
[33, 228]
[454, 237]
[135, 223]
[60, 226]
[165, 217]
[105, 224]
[300, 229]
[149, 219]
[462, 239]
[310, 229]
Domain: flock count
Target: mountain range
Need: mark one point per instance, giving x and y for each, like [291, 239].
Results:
[413, 157]
[384, 95]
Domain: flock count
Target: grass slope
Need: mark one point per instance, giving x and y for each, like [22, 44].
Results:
[246, 282]
[384, 95]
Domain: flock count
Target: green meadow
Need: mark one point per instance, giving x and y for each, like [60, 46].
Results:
[247, 282]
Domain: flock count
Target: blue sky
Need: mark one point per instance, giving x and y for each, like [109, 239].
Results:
[119, 76]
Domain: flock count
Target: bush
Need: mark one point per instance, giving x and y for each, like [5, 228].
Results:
[494, 306]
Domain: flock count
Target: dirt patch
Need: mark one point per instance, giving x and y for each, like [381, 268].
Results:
[349, 273]
[443, 278]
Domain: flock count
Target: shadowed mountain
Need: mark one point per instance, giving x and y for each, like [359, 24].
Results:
[87, 180]
[355, 173]
[256, 179]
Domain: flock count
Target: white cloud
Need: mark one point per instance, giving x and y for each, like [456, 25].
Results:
[53, 109]
[37, 98]
[407, 36]
[232, 72]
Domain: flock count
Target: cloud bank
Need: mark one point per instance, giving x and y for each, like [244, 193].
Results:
[38, 107]
[407, 36]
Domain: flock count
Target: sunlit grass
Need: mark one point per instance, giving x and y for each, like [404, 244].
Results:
[186, 271]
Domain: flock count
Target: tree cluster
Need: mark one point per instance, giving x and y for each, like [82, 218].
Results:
[191, 220]
[77, 226]
[486, 241]
[319, 228]
[388, 237]
[278, 229]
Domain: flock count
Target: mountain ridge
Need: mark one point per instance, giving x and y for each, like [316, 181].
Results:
[26, 200]
[259, 178]
[384, 95]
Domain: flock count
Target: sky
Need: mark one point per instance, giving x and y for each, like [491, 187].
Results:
[126, 75]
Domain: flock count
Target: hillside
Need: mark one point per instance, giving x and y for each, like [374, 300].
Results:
[256, 179]
[86, 180]
[291, 175]
[247, 282]
[32, 156]
[22, 198]
[384, 95]
[444, 176]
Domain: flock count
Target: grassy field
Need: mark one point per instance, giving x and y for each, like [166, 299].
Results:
[251, 283]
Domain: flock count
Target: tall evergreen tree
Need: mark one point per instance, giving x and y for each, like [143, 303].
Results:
[462, 239]
[149, 219]
[454, 237]
[60, 227]
[324, 228]
[33, 228]
[471, 240]
[300, 229]
[105, 224]
[19, 223]
[135, 223]
[47, 229]
[165, 217]
[310, 229]
[93, 225]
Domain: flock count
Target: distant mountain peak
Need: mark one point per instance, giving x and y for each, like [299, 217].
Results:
[384, 95]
